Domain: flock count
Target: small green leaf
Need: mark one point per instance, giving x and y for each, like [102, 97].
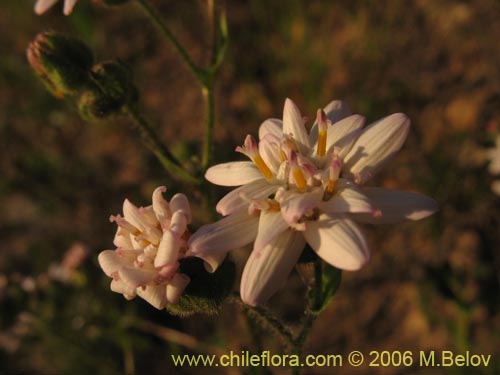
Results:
[325, 290]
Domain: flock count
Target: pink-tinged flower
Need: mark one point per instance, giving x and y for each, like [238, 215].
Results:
[306, 187]
[150, 241]
[41, 6]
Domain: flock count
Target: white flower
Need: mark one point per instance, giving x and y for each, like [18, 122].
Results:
[301, 187]
[41, 6]
[150, 241]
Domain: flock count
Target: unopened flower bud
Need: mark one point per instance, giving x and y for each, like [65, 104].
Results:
[206, 291]
[112, 89]
[114, 79]
[62, 62]
[94, 105]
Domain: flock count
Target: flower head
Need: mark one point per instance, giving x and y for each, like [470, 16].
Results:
[41, 6]
[149, 243]
[306, 187]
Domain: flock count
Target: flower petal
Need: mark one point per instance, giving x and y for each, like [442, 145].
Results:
[110, 261]
[294, 206]
[132, 214]
[180, 203]
[41, 6]
[335, 111]
[396, 206]
[235, 173]
[211, 242]
[135, 277]
[122, 239]
[178, 224]
[119, 286]
[343, 134]
[375, 146]
[155, 295]
[176, 286]
[270, 151]
[271, 225]
[348, 199]
[168, 250]
[338, 241]
[233, 201]
[68, 6]
[271, 126]
[160, 205]
[267, 270]
[293, 123]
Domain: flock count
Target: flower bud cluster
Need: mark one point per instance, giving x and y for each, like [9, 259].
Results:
[66, 66]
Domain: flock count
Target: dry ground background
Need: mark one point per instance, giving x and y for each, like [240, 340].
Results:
[433, 284]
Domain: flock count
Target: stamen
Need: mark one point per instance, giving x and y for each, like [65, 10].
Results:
[273, 205]
[330, 187]
[322, 132]
[333, 172]
[251, 150]
[263, 168]
[288, 143]
[297, 173]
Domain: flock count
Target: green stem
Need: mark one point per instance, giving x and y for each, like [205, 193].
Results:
[266, 319]
[151, 140]
[199, 73]
[311, 316]
[208, 97]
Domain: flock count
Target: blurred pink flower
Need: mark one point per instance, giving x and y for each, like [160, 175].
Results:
[301, 187]
[41, 6]
[150, 241]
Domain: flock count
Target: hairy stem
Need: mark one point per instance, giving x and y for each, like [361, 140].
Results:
[311, 316]
[266, 320]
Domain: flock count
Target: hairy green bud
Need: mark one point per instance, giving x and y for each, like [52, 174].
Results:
[94, 105]
[114, 79]
[61, 61]
[206, 291]
[112, 88]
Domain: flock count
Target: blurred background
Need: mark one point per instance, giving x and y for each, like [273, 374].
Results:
[430, 285]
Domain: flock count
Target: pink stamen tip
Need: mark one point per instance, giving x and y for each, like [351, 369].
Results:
[114, 218]
[322, 119]
[377, 213]
[292, 158]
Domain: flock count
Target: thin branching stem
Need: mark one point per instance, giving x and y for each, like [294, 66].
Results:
[208, 96]
[152, 141]
[152, 13]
